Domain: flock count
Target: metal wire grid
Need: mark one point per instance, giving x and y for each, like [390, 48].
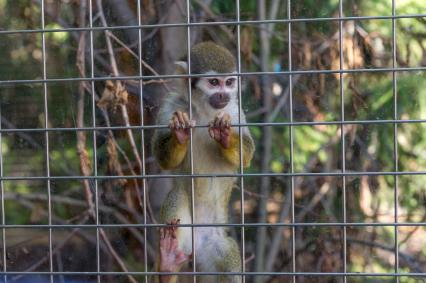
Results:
[95, 169]
[142, 127]
[342, 139]
[46, 136]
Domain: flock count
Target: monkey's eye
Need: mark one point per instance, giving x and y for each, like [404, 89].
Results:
[230, 82]
[214, 82]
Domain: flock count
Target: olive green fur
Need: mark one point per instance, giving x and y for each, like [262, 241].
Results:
[232, 154]
[227, 258]
[215, 250]
[208, 56]
[166, 150]
[176, 200]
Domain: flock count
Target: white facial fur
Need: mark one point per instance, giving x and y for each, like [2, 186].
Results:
[207, 88]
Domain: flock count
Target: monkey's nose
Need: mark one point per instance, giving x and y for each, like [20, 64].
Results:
[219, 100]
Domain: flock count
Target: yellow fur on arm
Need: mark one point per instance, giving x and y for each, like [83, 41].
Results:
[232, 153]
[170, 153]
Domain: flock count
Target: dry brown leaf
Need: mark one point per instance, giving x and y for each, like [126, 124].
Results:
[114, 166]
[85, 164]
[113, 95]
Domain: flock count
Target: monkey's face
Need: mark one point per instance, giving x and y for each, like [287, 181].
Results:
[218, 90]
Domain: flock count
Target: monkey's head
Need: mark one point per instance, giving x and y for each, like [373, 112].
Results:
[211, 59]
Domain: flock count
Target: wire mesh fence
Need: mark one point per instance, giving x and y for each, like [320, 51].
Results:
[333, 95]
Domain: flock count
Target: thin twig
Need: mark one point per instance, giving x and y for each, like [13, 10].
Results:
[129, 164]
[79, 203]
[81, 142]
[123, 107]
[116, 73]
[146, 65]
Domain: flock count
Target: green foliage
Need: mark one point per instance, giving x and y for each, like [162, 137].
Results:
[367, 96]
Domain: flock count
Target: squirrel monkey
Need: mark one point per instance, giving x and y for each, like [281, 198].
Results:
[216, 149]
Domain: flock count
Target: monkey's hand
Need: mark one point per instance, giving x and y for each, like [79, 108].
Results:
[171, 257]
[180, 124]
[220, 129]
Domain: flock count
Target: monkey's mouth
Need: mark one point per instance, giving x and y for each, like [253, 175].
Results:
[219, 100]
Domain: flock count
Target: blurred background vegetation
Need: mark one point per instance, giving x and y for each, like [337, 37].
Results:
[364, 198]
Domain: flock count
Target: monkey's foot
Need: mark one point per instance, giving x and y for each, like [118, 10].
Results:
[220, 129]
[171, 257]
[180, 124]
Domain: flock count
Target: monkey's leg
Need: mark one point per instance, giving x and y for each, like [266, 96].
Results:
[170, 147]
[171, 256]
[178, 240]
[221, 254]
[229, 140]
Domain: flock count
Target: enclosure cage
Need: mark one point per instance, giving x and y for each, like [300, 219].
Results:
[335, 97]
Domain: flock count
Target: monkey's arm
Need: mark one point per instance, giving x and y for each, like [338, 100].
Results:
[175, 210]
[229, 140]
[171, 257]
[170, 145]
[232, 153]
[168, 151]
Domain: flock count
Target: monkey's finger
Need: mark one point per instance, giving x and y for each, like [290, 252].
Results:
[217, 134]
[174, 243]
[173, 116]
[227, 130]
[222, 123]
[185, 119]
[175, 227]
[216, 121]
[165, 232]
[176, 113]
[179, 124]
[175, 120]
[224, 138]
[173, 224]
[226, 120]
[161, 233]
[192, 123]
[181, 119]
[179, 116]
[227, 123]
[211, 133]
[171, 123]
[165, 241]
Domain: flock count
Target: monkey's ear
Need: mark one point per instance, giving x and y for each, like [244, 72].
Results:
[181, 67]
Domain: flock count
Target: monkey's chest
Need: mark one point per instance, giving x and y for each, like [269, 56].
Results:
[207, 156]
[211, 199]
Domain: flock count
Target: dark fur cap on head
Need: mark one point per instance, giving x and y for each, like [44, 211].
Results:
[208, 56]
